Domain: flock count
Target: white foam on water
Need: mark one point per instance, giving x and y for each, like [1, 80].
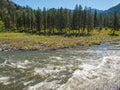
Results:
[44, 72]
[10, 64]
[23, 65]
[26, 83]
[4, 80]
[105, 76]
[55, 57]
[19, 65]
[87, 73]
[51, 69]
[45, 86]
[27, 62]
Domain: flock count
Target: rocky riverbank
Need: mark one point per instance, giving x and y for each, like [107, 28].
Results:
[23, 41]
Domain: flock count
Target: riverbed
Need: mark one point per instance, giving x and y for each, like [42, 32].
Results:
[89, 68]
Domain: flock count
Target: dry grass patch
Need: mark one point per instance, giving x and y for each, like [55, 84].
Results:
[25, 41]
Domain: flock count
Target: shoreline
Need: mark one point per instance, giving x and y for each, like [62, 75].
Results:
[44, 49]
[7, 48]
[27, 42]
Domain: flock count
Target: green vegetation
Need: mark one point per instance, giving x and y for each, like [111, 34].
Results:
[54, 21]
[28, 29]
[23, 41]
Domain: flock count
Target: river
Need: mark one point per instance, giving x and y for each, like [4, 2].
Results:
[90, 68]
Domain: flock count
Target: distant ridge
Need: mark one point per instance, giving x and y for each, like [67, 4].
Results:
[98, 11]
[109, 11]
[112, 10]
[10, 5]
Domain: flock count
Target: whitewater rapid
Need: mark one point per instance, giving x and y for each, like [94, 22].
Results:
[91, 68]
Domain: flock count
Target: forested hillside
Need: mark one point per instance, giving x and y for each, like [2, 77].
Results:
[112, 10]
[54, 21]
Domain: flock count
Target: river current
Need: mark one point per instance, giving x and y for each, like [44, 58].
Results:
[90, 68]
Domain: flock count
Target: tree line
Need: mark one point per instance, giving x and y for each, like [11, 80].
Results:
[57, 21]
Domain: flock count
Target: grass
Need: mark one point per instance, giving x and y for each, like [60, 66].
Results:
[23, 41]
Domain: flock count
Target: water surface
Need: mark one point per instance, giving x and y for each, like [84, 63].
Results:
[90, 68]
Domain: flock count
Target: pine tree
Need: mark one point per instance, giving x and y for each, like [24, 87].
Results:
[95, 19]
[38, 19]
[84, 19]
[44, 19]
[115, 23]
[100, 21]
[89, 20]
[80, 20]
[75, 18]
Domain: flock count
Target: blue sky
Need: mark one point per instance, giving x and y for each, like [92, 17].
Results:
[70, 4]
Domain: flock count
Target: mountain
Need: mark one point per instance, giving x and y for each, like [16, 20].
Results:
[9, 5]
[98, 11]
[109, 11]
[112, 10]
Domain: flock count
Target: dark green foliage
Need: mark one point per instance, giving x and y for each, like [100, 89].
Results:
[95, 19]
[38, 16]
[115, 23]
[54, 21]
[89, 21]
[44, 19]
[112, 10]
[84, 18]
